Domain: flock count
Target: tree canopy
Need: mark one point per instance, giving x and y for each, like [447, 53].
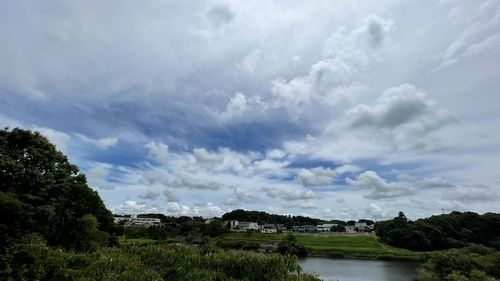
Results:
[42, 192]
[454, 230]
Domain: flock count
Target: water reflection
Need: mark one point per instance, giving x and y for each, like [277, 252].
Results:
[359, 270]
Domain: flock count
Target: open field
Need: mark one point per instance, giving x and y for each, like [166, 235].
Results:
[362, 245]
[333, 244]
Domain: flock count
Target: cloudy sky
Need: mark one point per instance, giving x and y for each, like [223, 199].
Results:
[333, 109]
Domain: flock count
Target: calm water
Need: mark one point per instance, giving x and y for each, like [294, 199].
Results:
[359, 270]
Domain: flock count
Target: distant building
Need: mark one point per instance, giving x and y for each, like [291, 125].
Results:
[135, 221]
[232, 224]
[246, 226]
[326, 227]
[207, 221]
[269, 228]
[350, 229]
[242, 226]
[304, 228]
[360, 226]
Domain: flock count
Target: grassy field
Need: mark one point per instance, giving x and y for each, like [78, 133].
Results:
[335, 245]
[362, 245]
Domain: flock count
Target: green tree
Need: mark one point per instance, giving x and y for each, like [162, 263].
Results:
[42, 192]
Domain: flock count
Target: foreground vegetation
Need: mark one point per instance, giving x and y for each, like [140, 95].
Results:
[473, 263]
[33, 260]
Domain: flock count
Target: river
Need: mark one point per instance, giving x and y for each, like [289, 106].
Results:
[359, 270]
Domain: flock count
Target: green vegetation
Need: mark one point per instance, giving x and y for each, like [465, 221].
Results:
[33, 260]
[289, 246]
[41, 192]
[474, 263]
[335, 245]
[454, 230]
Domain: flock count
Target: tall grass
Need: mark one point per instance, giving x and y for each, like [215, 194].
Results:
[35, 261]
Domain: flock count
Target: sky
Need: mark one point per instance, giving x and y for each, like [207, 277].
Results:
[331, 109]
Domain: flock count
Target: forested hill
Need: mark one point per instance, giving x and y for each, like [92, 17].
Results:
[454, 230]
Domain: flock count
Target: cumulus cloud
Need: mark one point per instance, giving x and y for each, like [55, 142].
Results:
[316, 176]
[187, 181]
[158, 151]
[346, 54]
[402, 120]
[376, 187]
[289, 194]
[240, 104]
[150, 194]
[471, 194]
[171, 195]
[402, 105]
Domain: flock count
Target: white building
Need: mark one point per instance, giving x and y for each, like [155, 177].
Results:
[326, 227]
[135, 221]
[269, 228]
[360, 226]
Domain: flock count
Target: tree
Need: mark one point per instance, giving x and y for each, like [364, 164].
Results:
[43, 192]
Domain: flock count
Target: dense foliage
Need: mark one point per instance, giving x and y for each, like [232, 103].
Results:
[289, 246]
[263, 218]
[32, 260]
[474, 263]
[41, 192]
[445, 231]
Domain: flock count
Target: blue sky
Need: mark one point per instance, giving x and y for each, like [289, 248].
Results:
[343, 109]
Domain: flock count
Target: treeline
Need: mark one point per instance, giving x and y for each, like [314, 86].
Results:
[454, 230]
[287, 220]
[265, 218]
[188, 228]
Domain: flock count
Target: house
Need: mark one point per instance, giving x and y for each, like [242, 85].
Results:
[326, 227]
[233, 225]
[269, 228]
[360, 225]
[304, 228]
[241, 226]
[350, 229]
[246, 226]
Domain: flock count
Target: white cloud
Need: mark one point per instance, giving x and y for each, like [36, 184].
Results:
[402, 120]
[346, 54]
[59, 139]
[171, 195]
[158, 151]
[378, 188]
[97, 176]
[316, 176]
[150, 194]
[102, 143]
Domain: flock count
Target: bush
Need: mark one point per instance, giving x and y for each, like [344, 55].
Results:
[289, 246]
